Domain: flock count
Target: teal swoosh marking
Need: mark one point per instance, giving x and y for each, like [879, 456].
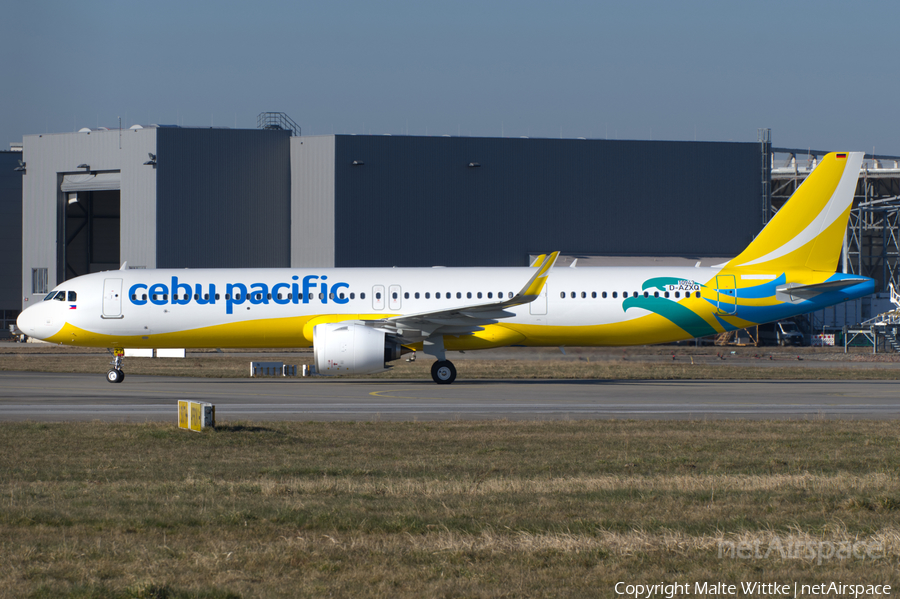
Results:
[682, 317]
[661, 282]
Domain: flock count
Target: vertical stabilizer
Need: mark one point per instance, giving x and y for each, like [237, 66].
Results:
[808, 231]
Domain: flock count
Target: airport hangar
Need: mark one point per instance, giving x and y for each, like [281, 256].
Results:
[182, 197]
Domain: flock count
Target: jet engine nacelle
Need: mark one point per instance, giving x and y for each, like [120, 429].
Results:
[344, 348]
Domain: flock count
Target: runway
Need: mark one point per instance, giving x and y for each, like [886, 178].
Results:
[84, 397]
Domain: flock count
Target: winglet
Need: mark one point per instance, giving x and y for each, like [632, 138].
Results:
[534, 287]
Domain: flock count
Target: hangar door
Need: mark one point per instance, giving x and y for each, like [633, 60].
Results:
[90, 219]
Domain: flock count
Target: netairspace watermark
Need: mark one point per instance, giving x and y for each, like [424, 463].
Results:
[749, 589]
[807, 550]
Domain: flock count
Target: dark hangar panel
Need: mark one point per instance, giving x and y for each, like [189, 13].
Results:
[11, 239]
[223, 198]
[455, 201]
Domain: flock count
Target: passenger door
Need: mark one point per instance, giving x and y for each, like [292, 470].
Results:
[112, 298]
[726, 294]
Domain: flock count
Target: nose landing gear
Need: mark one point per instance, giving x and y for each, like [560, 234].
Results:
[116, 374]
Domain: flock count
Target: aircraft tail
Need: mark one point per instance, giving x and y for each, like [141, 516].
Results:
[808, 231]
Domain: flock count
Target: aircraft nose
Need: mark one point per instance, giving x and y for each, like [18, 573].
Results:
[36, 322]
[26, 322]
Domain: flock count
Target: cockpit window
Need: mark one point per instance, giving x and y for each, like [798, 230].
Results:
[49, 296]
[61, 296]
[72, 296]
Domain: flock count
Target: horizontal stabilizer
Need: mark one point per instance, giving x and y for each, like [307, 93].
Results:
[795, 293]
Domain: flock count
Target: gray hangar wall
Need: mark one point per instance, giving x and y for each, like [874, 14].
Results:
[223, 198]
[423, 201]
[11, 240]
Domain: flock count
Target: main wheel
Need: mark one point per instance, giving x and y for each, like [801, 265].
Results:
[443, 372]
[115, 376]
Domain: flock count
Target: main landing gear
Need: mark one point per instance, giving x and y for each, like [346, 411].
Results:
[443, 372]
[116, 374]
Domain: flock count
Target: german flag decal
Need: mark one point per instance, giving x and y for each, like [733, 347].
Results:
[840, 155]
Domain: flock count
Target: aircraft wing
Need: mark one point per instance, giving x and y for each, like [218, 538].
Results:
[468, 319]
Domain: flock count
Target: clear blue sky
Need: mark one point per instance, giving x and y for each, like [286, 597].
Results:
[819, 74]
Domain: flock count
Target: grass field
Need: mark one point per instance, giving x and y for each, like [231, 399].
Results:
[464, 509]
[642, 363]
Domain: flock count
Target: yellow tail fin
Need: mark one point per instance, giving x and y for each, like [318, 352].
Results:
[808, 231]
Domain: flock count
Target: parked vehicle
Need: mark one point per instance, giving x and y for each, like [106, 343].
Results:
[783, 332]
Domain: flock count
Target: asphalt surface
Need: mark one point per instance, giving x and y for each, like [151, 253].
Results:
[85, 397]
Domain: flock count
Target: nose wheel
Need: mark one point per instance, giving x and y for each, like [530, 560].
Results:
[443, 372]
[116, 374]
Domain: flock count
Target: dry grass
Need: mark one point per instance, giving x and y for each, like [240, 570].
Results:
[511, 509]
[604, 365]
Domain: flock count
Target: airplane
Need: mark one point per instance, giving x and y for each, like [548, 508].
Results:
[357, 320]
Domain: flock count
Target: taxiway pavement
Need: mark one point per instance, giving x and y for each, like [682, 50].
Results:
[73, 397]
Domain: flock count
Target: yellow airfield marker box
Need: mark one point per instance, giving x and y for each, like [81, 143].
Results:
[195, 415]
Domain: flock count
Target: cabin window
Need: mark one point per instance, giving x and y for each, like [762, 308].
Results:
[614, 294]
[268, 296]
[427, 295]
[646, 294]
[573, 295]
[468, 295]
[458, 295]
[227, 296]
[394, 295]
[352, 295]
[604, 295]
[437, 295]
[666, 294]
[341, 295]
[206, 296]
[562, 295]
[378, 295]
[417, 295]
[217, 296]
[698, 295]
[278, 296]
[656, 294]
[584, 295]
[321, 295]
[677, 294]
[406, 295]
[479, 295]
[331, 296]
[490, 295]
